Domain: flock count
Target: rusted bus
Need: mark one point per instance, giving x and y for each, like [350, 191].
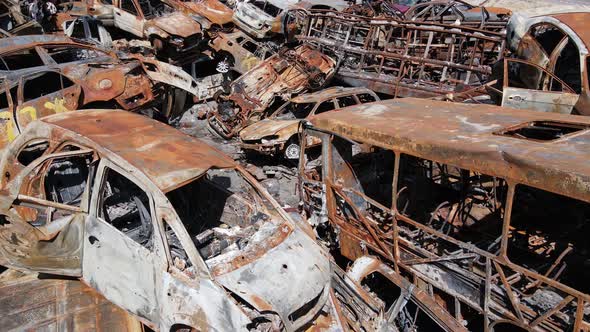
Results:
[403, 58]
[31, 303]
[287, 73]
[462, 199]
[460, 13]
[108, 197]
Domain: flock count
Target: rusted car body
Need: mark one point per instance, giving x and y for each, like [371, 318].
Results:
[14, 23]
[265, 18]
[287, 73]
[30, 303]
[44, 75]
[172, 33]
[239, 52]
[558, 44]
[483, 207]
[211, 14]
[400, 58]
[159, 223]
[278, 134]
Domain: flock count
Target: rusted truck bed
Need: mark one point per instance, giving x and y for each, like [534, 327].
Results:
[28, 303]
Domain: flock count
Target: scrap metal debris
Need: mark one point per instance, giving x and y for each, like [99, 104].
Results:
[460, 204]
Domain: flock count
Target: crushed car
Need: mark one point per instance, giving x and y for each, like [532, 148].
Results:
[213, 15]
[462, 200]
[287, 73]
[278, 135]
[160, 224]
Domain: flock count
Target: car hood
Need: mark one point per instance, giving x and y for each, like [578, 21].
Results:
[213, 10]
[294, 274]
[269, 127]
[177, 24]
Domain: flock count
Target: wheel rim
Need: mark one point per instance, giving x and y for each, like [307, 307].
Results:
[292, 151]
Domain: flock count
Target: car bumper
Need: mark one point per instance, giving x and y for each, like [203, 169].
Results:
[269, 149]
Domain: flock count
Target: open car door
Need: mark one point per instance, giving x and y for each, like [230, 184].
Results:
[528, 86]
[42, 227]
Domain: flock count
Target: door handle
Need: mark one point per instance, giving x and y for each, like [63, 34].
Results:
[93, 240]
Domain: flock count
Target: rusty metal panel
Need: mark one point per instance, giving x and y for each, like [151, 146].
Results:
[32, 304]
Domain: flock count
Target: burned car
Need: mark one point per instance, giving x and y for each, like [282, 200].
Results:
[558, 44]
[159, 223]
[172, 33]
[265, 18]
[278, 134]
[235, 50]
[291, 71]
[462, 200]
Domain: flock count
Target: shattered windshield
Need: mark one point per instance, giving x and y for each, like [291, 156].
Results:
[222, 212]
[294, 111]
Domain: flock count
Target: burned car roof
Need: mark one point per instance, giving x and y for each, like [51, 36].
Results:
[33, 40]
[545, 150]
[165, 155]
[328, 93]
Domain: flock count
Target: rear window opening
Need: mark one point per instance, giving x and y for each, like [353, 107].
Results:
[543, 130]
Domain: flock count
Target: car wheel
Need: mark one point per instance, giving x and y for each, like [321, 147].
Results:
[292, 151]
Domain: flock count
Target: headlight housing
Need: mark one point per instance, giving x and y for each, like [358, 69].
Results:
[269, 139]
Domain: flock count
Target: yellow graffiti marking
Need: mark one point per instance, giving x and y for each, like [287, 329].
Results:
[57, 106]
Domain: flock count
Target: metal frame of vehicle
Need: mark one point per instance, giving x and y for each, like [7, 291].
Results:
[231, 48]
[523, 163]
[145, 273]
[400, 58]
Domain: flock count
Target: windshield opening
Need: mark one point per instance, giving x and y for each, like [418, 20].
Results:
[294, 111]
[268, 8]
[221, 211]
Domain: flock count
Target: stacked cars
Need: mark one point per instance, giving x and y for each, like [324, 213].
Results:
[395, 165]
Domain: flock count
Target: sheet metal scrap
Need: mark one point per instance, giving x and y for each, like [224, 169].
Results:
[29, 303]
[494, 247]
[289, 72]
[401, 58]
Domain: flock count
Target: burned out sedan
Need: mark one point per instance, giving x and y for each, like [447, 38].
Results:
[278, 134]
[162, 225]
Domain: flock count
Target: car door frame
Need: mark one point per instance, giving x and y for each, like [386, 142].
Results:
[126, 21]
[522, 98]
[59, 99]
[52, 231]
[139, 296]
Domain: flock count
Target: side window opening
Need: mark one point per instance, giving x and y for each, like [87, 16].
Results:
[538, 242]
[548, 36]
[567, 67]
[326, 106]
[4, 97]
[466, 205]
[68, 54]
[66, 179]
[366, 98]
[22, 59]
[250, 47]
[180, 259]
[31, 152]
[127, 207]
[127, 5]
[44, 84]
[78, 31]
[346, 101]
